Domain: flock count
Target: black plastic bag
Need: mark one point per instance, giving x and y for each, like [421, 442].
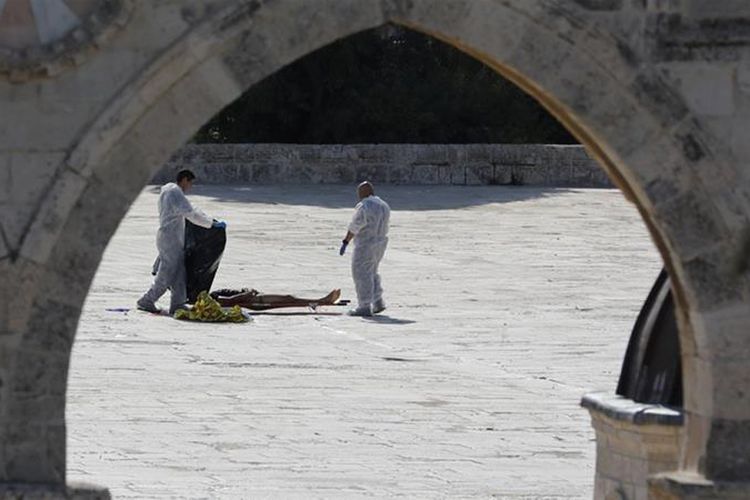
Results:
[652, 368]
[203, 251]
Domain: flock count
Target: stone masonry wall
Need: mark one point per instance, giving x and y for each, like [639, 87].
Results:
[459, 164]
[633, 441]
[658, 90]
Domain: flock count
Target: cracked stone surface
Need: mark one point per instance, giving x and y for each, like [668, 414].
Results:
[505, 306]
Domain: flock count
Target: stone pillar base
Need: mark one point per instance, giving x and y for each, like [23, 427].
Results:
[633, 441]
[74, 491]
[685, 486]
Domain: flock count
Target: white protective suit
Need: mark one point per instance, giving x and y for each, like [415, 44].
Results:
[370, 228]
[174, 208]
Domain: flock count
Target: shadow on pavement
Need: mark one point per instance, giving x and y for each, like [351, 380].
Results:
[387, 320]
[294, 313]
[398, 197]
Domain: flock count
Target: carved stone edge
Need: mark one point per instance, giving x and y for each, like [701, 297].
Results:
[73, 491]
[97, 28]
[692, 486]
[620, 408]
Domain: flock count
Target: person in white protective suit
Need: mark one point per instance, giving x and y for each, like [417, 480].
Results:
[369, 230]
[169, 268]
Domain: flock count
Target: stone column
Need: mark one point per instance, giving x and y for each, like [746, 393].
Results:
[715, 462]
[633, 440]
[37, 335]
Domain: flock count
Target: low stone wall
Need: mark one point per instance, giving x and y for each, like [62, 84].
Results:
[459, 164]
[634, 441]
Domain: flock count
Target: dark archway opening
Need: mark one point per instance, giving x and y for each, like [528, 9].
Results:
[385, 85]
[392, 84]
[435, 123]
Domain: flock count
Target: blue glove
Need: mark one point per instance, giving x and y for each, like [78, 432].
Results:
[344, 244]
[219, 224]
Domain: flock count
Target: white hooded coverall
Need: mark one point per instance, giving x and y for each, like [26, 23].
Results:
[174, 208]
[370, 228]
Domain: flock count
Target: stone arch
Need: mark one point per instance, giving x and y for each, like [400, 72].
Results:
[623, 110]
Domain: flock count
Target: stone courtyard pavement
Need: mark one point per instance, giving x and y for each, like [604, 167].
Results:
[505, 306]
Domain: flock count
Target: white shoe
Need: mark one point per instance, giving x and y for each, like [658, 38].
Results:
[360, 311]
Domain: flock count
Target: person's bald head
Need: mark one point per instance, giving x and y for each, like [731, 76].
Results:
[364, 190]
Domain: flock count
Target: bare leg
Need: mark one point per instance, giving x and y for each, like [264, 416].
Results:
[260, 302]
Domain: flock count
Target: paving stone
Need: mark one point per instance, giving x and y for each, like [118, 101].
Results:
[466, 387]
[625, 77]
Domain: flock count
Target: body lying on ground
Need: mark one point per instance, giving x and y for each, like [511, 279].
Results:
[257, 301]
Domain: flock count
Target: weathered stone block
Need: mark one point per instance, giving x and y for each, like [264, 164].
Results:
[285, 32]
[714, 285]
[93, 220]
[529, 175]
[47, 226]
[437, 155]
[32, 491]
[54, 330]
[158, 23]
[268, 173]
[307, 175]
[136, 158]
[690, 486]
[186, 155]
[377, 153]
[341, 174]
[222, 153]
[698, 376]
[19, 409]
[372, 173]
[23, 181]
[631, 443]
[731, 401]
[334, 154]
[723, 331]
[581, 176]
[226, 173]
[5, 251]
[641, 493]
[244, 173]
[34, 452]
[83, 237]
[243, 153]
[477, 153]
[477, 175]
[209, 162]
[599, 178]
[52, 133]
[424, 174]
[308, 153]
[692, 222]
[403, 174]
[737, 9]
[600, 4]
[457, 174]
[708, 89]
[613, 113]
[502, 174]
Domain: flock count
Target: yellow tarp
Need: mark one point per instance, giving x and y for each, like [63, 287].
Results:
[208, 310]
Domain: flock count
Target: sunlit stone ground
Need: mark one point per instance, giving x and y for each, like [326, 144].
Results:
[505, 306]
